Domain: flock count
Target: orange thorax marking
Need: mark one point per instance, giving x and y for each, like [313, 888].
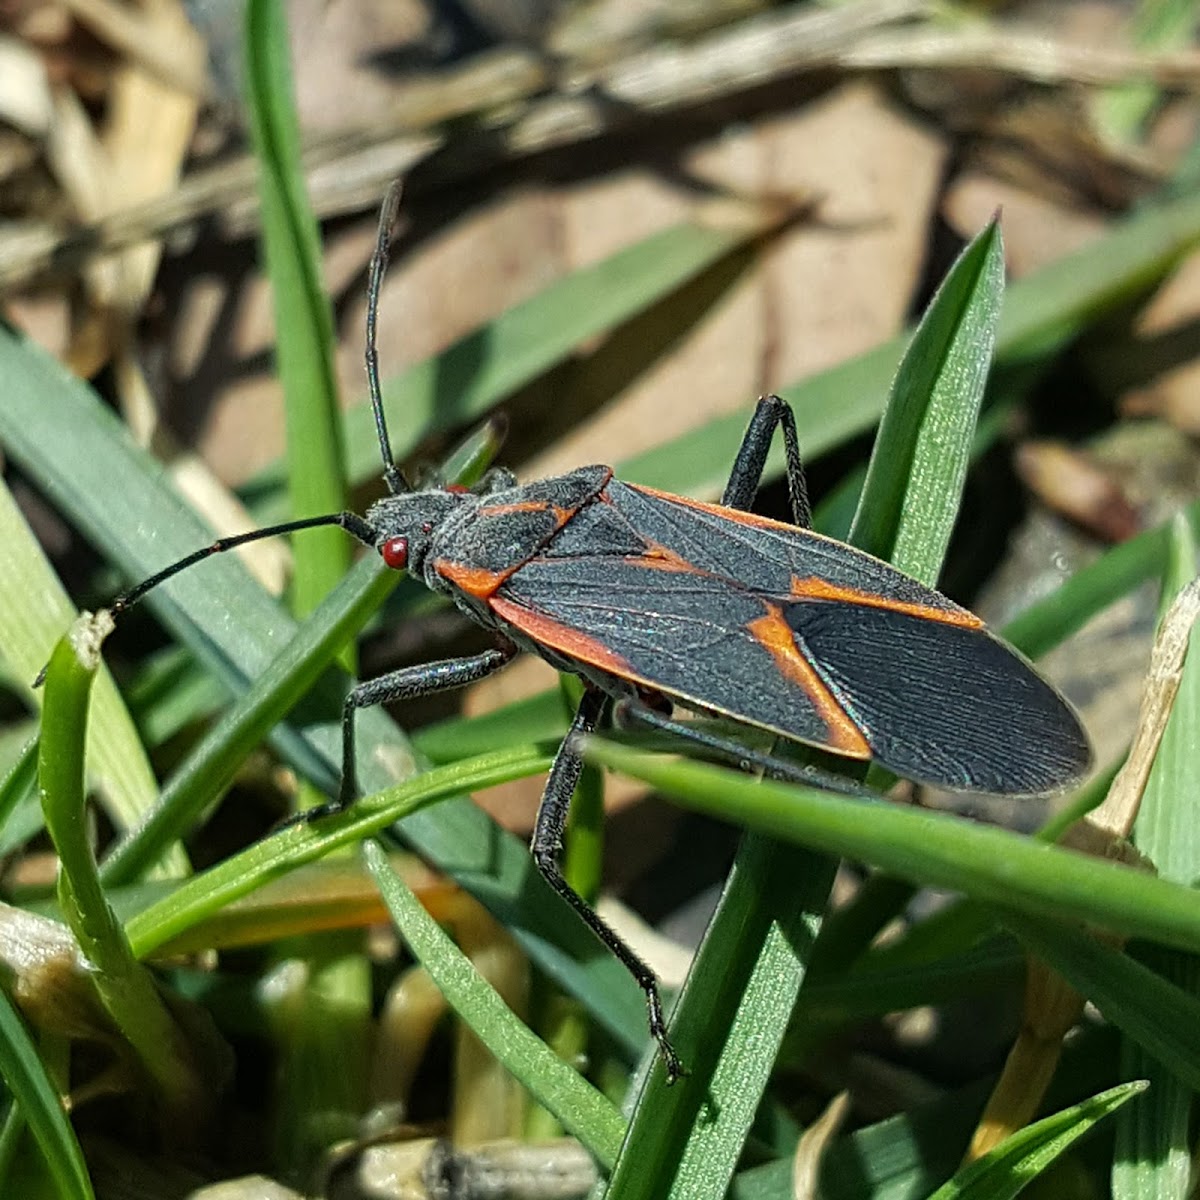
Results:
[561, 515]
[474, 581]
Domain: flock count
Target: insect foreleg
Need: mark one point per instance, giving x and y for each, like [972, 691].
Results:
[408, 683]
[546, 848]
[752, 460]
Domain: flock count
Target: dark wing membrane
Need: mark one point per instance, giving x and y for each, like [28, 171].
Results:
[701, 604]
[683, 633]
[763, 555]
[941, 703]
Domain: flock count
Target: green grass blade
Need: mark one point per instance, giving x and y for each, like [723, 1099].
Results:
[583, 1111]
[686, 1140]
[1021, 1158]
[27, 1082]
[125, 987]
[919, 463]
[303, 318]
[34, 612]
[930, 848]
[212, 764]
[252, 868]
[1153, 1155]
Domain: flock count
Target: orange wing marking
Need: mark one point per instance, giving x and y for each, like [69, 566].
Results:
[736, 515]
[812, 588]
[548, 632]
[775, 636]
[663, 558]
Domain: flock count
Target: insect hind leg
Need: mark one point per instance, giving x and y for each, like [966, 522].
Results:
[546, 849]
[630, 712]
[751, 460]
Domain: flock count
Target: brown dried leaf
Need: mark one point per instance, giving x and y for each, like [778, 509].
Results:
[1037, 230]
[1077, 487]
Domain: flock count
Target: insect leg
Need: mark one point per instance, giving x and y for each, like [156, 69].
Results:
[546, 849]
[634, 712]
[408, 683]
[752, 459]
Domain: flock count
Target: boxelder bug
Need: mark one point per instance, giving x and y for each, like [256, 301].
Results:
[655, 599]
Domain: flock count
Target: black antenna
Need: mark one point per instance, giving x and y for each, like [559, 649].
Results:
[352, 523]
[392, 474]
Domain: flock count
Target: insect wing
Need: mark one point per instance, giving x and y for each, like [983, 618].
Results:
[796, 633]
[689, 635]
[942, 703]
[771, 557]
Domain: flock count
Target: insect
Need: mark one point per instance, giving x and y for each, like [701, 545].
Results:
[656, 600]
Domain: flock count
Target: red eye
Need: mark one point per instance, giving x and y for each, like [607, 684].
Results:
[394, 552]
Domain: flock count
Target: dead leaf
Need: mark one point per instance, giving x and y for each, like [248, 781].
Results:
[1037, 230]
[1078, 488]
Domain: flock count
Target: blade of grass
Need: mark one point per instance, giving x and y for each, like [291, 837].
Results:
[686, 1140]
[1162, 1018]
[1021, 1158]
[252, 868]
[34, 611]
[1153, 1153]
[30, 1087]
[915, 478]
[930, 848]
[583, 1111]
[765, 925]
[125, 987]
[303, 318]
